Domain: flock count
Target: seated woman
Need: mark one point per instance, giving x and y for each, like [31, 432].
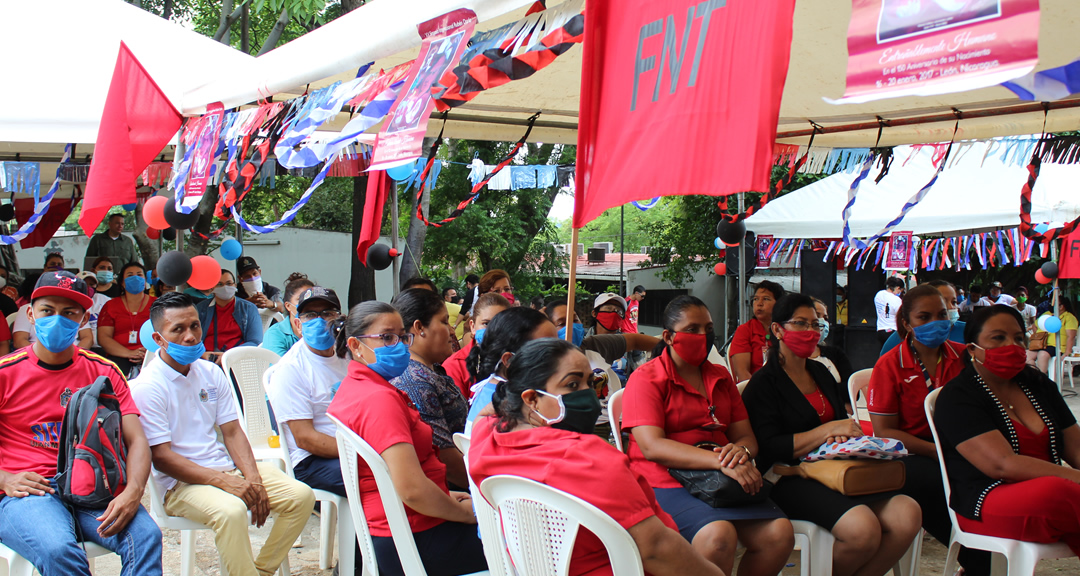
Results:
[679, 399]
[751, 341]
[443, 523]
[504, 336]
[831, 357]
[542, 431]
[1005, 434]
[899, 384]
[483, 310]
[952, 308]
[434, 394]
[795, 406]
[121, 319]
[1069, 326]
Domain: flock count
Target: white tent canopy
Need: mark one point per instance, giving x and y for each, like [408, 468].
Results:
[972, 194]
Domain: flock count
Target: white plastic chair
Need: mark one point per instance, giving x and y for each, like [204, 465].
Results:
[268, 318]
[540, 525]
[18, 566]
[11, 319]
[351, 445]
[614, 407]
[333, 507]
[247, 364]
[350, 474]
[499, 563]
[857, 384]
[1021, 557]
[148, 358]
[742, 386]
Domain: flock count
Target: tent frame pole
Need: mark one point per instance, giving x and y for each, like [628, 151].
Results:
[572, 284]
[394, 237]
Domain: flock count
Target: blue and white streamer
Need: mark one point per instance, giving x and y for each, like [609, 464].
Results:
[643, 206]
[911, 203]
[41, 205]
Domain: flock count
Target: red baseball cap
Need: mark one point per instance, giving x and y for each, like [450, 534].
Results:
[65, 285]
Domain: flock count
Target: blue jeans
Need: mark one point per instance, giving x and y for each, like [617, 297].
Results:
[42, 530]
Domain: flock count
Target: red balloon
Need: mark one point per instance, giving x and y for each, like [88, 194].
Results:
[205, 273]
[1041, 278]
[153, 213]
[153, 233]
[720, 268]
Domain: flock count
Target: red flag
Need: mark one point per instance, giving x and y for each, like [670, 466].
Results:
[678, 97]
[1069, 261]
[59, 210]
[378, 189]
[137, 123]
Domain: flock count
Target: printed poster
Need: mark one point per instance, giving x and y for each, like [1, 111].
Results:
[926, 47]
[762, 251]
[205, 139]
[899, 255]
[401, 139]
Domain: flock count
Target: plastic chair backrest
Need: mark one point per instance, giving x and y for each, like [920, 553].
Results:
[157, 501]
[858, 383]
[11, 319]
[614, 406]
[742, 386]
[148, 358]
[269, 319]
[282, 426]
[350, 445]
[540, 525]
[247, 364]
[719, 359]
[487, 519]
[929, 405]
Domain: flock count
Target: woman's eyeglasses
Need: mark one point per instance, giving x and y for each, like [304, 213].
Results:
[390, 339]
[816, 325]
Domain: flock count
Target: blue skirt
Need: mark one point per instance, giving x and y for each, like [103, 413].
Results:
[691, 514]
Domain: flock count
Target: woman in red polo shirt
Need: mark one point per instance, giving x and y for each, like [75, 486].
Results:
[679, 399]
[121, 318]
[545, 411]
[483, 310]
[925, 359]
[751, 341]
[443, 523]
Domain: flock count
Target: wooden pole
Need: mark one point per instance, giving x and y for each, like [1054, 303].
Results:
[572, 285]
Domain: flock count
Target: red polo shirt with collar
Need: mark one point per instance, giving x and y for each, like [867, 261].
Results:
[898, 386]
[750, 337]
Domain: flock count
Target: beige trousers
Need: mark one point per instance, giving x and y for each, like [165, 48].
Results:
[291, 503]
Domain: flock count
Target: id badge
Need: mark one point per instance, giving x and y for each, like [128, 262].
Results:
[133, 337]
[716, 424]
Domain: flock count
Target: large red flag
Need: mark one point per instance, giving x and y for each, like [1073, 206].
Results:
[1069, 262]
[678, 97]
[378, 189]
[137, 123]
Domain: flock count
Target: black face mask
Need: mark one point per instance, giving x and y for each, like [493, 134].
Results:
[578, 411]
[710, 340]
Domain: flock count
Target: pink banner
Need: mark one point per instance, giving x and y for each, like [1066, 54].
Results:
[205, 139]
[927, 47]
[899, 255]
[764, 242]
[402, 137]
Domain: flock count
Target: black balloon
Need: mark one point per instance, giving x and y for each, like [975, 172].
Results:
[731, 233]
[379, 256]
[169, 234]
[179, 220]
[1050, 270]
[7, 212]
[174, 268]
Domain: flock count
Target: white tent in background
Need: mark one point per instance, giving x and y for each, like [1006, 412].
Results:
[973, 193]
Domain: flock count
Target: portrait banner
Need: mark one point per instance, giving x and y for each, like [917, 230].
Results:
[899, 255]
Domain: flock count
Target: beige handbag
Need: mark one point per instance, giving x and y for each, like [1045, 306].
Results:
[1038, 341]
[851, 477]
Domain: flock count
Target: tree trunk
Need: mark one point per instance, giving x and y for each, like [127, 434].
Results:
[414, 241]
[228, 17]
[196, 244]
[166, 9]
[275, 33]
[147, 248]
[362, 281]
[245, 30]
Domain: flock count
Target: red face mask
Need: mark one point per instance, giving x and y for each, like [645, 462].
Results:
[609, 320]
[1005, 361]
[509, 297]
[802, 344]
[694, 348]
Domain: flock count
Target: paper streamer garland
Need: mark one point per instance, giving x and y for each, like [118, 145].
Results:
[40, 207]
[643, 206]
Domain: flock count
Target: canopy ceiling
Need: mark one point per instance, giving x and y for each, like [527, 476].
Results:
[972, 194]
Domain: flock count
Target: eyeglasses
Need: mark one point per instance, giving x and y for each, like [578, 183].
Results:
[816, 325]
[328, 315]
[391, 339]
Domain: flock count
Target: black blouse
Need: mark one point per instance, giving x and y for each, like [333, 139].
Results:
[966, 408]
[778, 410]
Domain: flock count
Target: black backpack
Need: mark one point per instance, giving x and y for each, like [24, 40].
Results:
[91, 468]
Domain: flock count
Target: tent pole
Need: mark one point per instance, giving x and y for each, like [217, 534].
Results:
[742, 269]
[571, 285]
[622, 246]
[1061, 351]
[394, 237]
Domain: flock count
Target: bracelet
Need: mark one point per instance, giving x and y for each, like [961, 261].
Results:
[748, 454]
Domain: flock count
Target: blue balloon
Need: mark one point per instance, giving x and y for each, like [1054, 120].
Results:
[146, 339]
[1053, 325]
[129, 207]
[718, 243]
[231, 249]
[399, 173]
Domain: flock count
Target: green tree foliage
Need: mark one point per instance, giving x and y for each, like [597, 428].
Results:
[606, 227]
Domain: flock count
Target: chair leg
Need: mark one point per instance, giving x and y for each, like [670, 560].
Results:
[908, 565]
[802, 542]
[284, 570]
[326, 542]
[822, 556]
[951, 558]
[346, 541]
[187, 553]
[90, 565]
[1022, 561]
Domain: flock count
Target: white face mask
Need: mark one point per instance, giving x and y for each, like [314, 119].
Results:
[3, 281]
[225, 292]
[253, 286]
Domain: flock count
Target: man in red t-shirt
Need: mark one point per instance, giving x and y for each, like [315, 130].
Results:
[633, 301]
[36, 384]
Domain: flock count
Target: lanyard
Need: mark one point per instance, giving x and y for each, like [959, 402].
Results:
[925, 373]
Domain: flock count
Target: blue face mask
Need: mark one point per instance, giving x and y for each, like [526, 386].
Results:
[824, 332]
[56, 333]
[839, 298]
[954, 316]
[933, 334]
[390, 361]
[135, 285]
[316, 334]
[185, 355]
[104, 276]
[578, 335]
[479, 336]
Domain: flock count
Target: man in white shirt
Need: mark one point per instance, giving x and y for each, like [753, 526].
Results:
[887, 302]
[996, 297]
[181, 398]
[301, 386]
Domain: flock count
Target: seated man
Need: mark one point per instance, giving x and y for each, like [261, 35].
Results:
[182, 398]
[35, 386]
[301, 387]
[253, 289]
[281, 337]
[228, 321]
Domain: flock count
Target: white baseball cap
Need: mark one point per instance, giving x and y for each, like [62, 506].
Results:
[608, 297]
